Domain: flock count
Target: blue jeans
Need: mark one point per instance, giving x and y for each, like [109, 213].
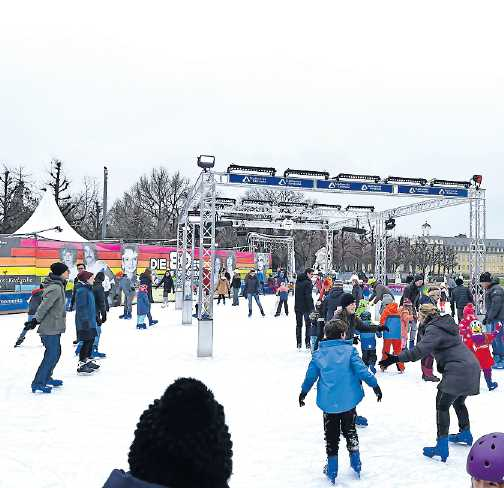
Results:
[97, 337]
[498, 343]
[141, 319]
[236, 292]
[256, 297]
[51, 357]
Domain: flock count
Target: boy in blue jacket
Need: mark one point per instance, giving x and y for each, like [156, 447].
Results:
[143, 306]
[368, 343]
[339, 371]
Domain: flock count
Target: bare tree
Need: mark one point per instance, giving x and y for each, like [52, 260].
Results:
[60, 186]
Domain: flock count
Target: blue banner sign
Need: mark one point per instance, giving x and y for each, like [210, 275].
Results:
[271, 181]
[14, 302]
[433, 190]
[354, 186]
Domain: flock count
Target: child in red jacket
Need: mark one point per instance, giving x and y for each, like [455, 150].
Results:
[465, 330]
[481, 347]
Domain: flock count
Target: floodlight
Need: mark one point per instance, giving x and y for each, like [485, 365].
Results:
[223, 223]
[291, 204]
[348, 176]
[249, 201]
[354, 230]
[239, 168]
[326, 205]
[369, 208]
[206, 162]
[390, 224]
[464, 184]
[306, 172]
[478, 179]
[401, 179]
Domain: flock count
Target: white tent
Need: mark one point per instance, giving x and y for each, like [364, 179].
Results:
[48, 216]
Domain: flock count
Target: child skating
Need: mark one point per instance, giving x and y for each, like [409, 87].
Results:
[368, 343]
[143, 306]
[283, 296]
[338, 371]
[481, 346]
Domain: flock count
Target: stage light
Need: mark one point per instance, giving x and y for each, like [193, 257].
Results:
[369, 208]
[206, 162]
[400, 179]
[390, 224]
[348, 176]
[354, 230]
[464, 184]
[249, 201]
[306, 172]
[328, 206]
[238, 168]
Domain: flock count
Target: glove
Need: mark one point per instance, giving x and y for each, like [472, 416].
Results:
[391, 359]
[382, 328]
[484, 321]
[356, 340]
[378, 393]
[31, 324]
[302, 396]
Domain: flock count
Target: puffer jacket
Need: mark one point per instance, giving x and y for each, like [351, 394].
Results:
[332, 301]
[339, 370]
[51, 313]
[303, 294]
[458, 365]
[354, 324]
[461, 296]
[85, 307]
[119, 479]
[494, 302]
[143, 303]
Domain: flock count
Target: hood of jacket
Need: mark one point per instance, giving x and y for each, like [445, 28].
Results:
[119, 479]
[335, 292]
[495, 281]
[469, 311]
[445, 323]
[54, 279]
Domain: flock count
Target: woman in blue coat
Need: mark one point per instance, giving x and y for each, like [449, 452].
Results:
[339, 370]
[85, 321]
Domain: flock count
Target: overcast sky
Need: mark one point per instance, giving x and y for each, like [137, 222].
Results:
[383, 87]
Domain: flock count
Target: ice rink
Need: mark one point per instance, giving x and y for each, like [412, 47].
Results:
[76, 435]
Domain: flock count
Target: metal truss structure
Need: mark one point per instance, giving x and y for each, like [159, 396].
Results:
[267, 243]
[204, 211]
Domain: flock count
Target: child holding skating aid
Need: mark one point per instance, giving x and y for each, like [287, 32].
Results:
[368, 343]
[338, 371]
[143, 306]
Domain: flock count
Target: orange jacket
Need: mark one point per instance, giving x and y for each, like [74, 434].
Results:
[406, 317]
[390, 309]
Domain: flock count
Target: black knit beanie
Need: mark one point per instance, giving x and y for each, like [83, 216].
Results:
[485, 277]
[346, 299]
[182, 440]
[58, 268]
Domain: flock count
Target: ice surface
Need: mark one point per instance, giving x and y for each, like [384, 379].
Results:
[76, 435]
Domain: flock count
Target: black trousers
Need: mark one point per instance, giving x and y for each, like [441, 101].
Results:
[286, 307]
[443, 403]
[334, 425]
[299, 326]
[221, 295]
[460, 314]
[369, 357]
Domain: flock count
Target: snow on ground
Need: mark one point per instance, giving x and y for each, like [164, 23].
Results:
[75, 436]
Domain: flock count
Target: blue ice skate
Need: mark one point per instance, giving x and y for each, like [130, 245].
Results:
[331, 469]
[78, 348]
[361, 421]
[41, 389]
[440, 449]
[464, 437]
[372, 369]
[141, 326]
[355, 462]
[53, 382]
[95, 354]
[153, 322]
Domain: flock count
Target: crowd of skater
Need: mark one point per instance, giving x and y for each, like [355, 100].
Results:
[417, 327]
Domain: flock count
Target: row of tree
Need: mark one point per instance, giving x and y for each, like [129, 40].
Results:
[150, 209]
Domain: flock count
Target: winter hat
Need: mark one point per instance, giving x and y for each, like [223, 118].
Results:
[485, 277]
[346, 299]
[84, 275]
[119, 274]
[366, 315]
[354, 278]
[418, 277]
[427, 310]
[182, 440]
[459, 281]
[337, 284]
[100, 277]
[58, 268]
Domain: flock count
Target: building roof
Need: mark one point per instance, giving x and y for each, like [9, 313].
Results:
[465, 241]
[47, 215]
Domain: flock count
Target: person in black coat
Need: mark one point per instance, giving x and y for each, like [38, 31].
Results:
[413, 291]
[146, 279]
[80, 267]
[332, 300]
[251, 291]
[168, 287]
[101, 311]
[460, 370]
[236, 286]
[460, 296]
[303, 305]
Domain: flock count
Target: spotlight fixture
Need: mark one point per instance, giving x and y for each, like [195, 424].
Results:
[353, 230]
[251, 201]
[390, 224]
[464, 184]
[239, 168]
[306, 172]
[206, 162]
[478, 179]
[348, 176]
[369, 208]
[324, 205]
[400, 179]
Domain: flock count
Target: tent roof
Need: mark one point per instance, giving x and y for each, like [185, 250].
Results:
[48, 216]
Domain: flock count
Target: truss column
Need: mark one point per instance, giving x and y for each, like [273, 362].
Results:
[187, 264]
[381, 251]
[180, 253]
[329, 250]
[477, 248]
[206, 272]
